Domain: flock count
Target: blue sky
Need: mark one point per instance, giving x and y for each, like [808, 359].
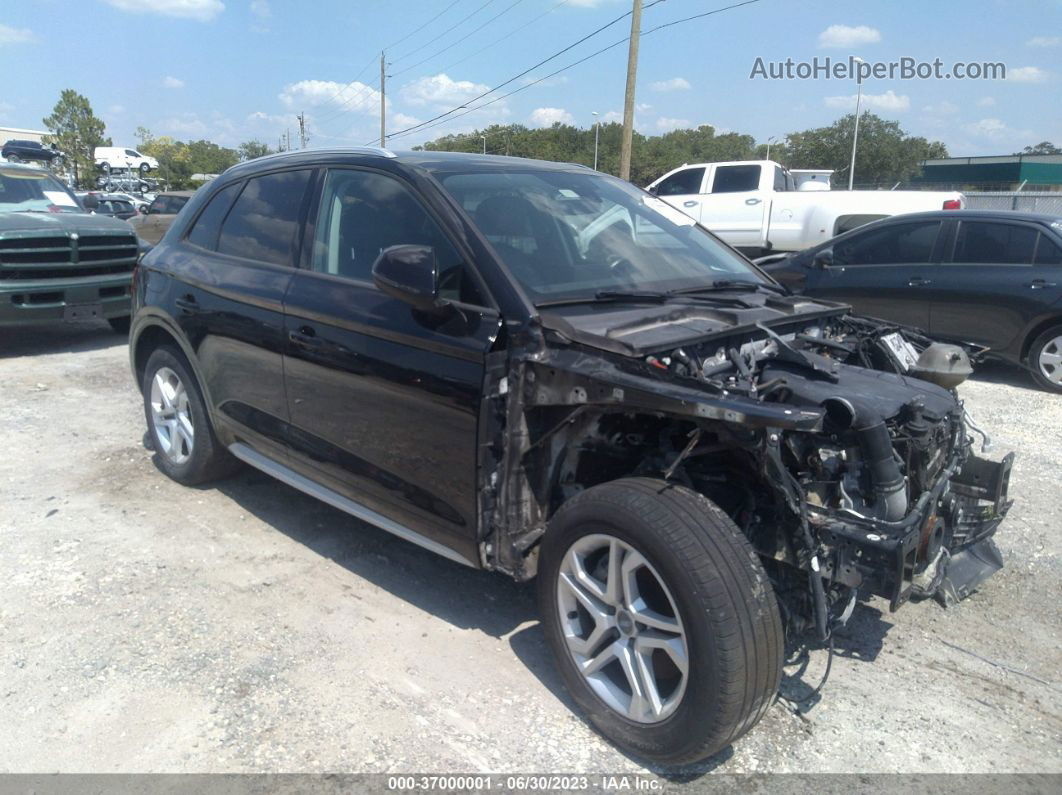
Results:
[230, 70]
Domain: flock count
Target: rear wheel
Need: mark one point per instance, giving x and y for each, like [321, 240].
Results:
[144, 168]
[186, 448]
[1045, 359]
[661, 618]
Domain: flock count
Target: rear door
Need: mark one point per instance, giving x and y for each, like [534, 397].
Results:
[999, 276]
[239, 257]
[384, 399]
[883, 272]
[684, 190]
[736, 208]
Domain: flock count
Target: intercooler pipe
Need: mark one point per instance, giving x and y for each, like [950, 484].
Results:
[876, 445]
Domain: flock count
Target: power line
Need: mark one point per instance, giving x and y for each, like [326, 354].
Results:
[438, 120]
[523, 73]
[511, 33]
[456, 25]
[471, 33]
[418, 30]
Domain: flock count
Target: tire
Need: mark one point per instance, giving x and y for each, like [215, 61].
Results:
[714, 585]
[105, 168]
[144, 168]
[188, 458]
[1045, 360]
[13, 159]
[120, 325]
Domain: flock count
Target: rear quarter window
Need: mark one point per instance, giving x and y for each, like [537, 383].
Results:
[207, 227]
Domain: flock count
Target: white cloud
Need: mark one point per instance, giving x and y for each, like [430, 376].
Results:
[1044, 41]
[642, 106]
[998, 131]
[441, 89]
[612, 116]
[354, 96]
[10, 35]
[674, 84]
[889, 101]
[547, 117]
[116, 110]
[986, 102]
[201, 10]
[186, 125]
[1027, 74]
[261, 9]
[172, 82]
[945, 108]
[404, 120]
[665, 124]
[846, 36]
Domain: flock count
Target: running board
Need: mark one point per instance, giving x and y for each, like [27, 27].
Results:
[336, 500]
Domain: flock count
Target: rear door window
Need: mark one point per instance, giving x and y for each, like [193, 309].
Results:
[207, 226]
[736, 179]
[682, 183]
[984, 243]
[263, 222]
[1048, 252]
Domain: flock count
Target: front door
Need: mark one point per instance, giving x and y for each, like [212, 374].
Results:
[384, 399]
[883, 272]
[736, 208]
[683, 190]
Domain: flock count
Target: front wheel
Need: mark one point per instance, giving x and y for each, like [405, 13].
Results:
[13, 159]
[661, 618]
[144, 168]
[186, 448]
[1045, 359]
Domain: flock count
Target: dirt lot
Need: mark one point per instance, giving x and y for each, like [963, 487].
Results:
[245, 627]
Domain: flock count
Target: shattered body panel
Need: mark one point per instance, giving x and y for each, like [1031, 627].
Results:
[847, 473]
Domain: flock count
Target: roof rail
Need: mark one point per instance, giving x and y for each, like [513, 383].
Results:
[364, 150]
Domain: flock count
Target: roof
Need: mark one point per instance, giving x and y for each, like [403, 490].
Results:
[994, 159]
[432, 161]
[995, 215]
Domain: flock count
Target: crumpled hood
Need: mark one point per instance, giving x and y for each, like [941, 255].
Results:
[20, 224]
[635, 329]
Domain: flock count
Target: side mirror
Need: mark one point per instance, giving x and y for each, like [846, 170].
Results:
[824, 258]
[410, 274]
[90, 202]
[653, 190]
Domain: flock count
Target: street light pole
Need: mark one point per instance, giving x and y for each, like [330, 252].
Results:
[769, 147]
[855, 134]
[597, 136]
[484, 143]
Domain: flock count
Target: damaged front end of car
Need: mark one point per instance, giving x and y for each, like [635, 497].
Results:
[837, 444]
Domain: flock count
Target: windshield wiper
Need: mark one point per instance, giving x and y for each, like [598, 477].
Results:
[730, 284]
[611, 296]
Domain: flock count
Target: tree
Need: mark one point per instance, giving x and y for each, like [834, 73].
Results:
[249, 150]
[76, 131]
[1042, 148]
[178, 160]
[885, 154]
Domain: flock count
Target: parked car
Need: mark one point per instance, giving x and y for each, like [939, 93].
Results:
[140, 202]
[668, 440]
[756, 206]
[19, 151]
[151, 225]
[989, 277]
[115, 207]
[112, 158]
[57, 262]
[115, 182]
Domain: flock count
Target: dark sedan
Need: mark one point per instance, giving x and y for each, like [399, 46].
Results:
[18, 151]
[989, 277]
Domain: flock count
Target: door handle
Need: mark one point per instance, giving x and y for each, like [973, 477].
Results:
[690, 203]
[918, 281]
[305, 337]
[753, 201]
[187, 304]
[1039, 284]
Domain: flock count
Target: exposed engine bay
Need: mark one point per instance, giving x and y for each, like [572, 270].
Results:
[838, 444]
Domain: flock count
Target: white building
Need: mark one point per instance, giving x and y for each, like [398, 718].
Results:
[18, 133]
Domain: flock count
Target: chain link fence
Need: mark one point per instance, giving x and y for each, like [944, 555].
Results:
[1046, 202]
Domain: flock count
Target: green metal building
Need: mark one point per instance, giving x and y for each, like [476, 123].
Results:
[1037, 172]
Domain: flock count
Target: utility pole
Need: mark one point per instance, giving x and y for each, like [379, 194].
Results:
[628, 97]
[383, 109]
[302, 130]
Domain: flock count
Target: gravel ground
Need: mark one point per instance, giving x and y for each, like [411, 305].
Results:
[147, 627]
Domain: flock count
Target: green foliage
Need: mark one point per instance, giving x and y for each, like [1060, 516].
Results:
[1042, 148]
[886, 153]
[76, 131]
[249, 150]
[178, 160]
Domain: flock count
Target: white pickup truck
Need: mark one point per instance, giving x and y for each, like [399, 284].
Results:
[755, 205]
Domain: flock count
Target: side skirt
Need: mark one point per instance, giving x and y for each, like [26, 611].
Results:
[336, 500]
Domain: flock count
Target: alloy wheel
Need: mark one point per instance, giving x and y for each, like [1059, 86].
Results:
[622, 628]
[1051, 360]
[171, 416]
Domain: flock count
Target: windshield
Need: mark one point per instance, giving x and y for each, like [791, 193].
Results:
[24, 190]
[573, 235]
